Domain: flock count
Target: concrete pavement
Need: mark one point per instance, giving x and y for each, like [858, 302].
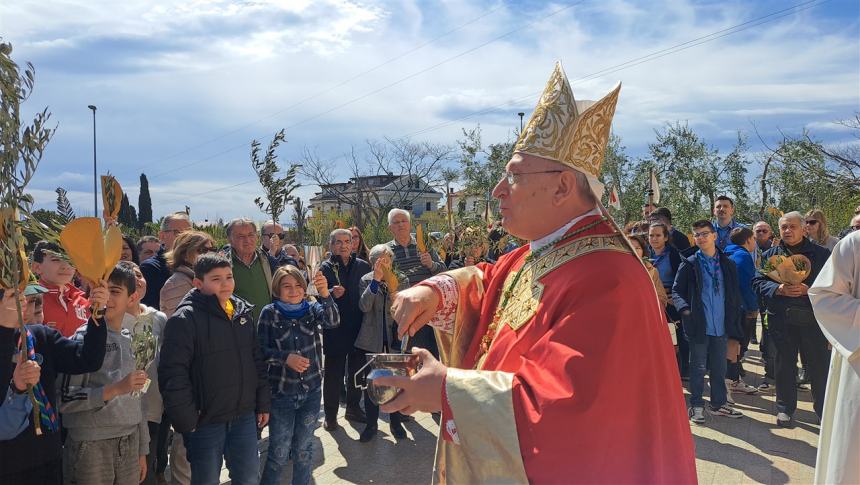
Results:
[747, 450]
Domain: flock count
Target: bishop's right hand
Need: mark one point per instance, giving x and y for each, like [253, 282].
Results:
[413, 308]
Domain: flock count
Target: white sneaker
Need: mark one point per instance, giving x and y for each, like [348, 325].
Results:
[697, 414]
[741, 386]
[726, 411]
[729, 398]
[783, 420]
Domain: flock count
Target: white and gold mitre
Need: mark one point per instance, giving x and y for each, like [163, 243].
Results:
[573, 133]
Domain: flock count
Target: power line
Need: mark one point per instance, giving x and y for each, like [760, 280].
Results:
[615, 68]
[383, 88]
[646, 58]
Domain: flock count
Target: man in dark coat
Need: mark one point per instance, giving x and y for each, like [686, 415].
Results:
[343, 272]
[791, 323]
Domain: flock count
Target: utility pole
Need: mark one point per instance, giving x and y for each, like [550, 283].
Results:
[95, 167]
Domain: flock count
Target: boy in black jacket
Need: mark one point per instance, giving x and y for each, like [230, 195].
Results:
[212, 376]
[707, 295]
[28, 458]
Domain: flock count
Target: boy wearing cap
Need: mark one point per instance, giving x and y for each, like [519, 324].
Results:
[26, 457]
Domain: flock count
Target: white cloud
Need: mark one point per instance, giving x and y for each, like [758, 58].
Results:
[171, 76]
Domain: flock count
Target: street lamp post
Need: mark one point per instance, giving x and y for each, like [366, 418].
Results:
[95, 167]
[521, 114]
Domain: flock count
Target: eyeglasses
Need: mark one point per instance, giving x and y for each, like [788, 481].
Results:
[700, 235]
[281, 235]
[811, 222]
[513, 177]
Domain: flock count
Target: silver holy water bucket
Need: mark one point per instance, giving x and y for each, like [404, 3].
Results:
[385, 365]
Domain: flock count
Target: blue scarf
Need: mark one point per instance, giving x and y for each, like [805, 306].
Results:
[289, 310]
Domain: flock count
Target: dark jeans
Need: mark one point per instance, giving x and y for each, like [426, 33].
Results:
[333, 375]
[292, 423]
[50, 473]
[768, 349]
[163, 444]
[425, 338]
[371, 410]
[152, 458]
[710, 356]
[235, 441]
[811, 343]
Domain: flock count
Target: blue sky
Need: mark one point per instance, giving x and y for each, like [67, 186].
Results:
[182, 87]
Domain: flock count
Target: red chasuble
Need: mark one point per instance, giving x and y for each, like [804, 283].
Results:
[580, 384]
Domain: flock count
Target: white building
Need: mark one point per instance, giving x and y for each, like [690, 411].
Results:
[405, 192]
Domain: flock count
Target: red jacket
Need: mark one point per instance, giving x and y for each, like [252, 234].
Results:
[65, 308]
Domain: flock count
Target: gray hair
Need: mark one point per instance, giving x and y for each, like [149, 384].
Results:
[270, 223]
[584, 187]
[379, 251]
[394, 212]
[176, 216]
[336, 233]
[241, 221]
[792, 215]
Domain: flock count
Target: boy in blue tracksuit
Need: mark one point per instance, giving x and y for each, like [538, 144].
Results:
[741, 251]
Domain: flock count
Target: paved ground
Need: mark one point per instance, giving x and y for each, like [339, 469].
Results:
[747, 450]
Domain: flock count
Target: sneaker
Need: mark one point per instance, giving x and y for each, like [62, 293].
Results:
[729, 398]
[725, 411]
[697, 414]
[783, 420]
[741, 386]
[764, 387]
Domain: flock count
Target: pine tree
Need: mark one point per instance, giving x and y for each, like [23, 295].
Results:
[144, 202]
[127, 214]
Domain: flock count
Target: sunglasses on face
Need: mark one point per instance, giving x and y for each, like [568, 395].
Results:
[811, 222]
[206, 249]
[281, 235]
[762, 231]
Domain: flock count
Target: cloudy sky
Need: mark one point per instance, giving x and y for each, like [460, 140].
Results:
[182, 87]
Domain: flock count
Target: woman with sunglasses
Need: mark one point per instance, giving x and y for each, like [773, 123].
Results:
[816, 228]
[188, 247]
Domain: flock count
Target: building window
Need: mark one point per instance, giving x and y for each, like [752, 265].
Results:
[428, 206]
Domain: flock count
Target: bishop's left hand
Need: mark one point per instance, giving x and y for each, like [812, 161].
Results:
[421, 392]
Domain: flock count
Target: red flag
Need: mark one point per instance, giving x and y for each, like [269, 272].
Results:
[614, 201]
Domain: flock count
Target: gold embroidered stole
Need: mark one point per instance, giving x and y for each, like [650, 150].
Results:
[526, 295]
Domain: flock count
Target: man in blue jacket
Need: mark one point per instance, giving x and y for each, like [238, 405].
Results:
[741, 251]
[706, 295]
[791, 321]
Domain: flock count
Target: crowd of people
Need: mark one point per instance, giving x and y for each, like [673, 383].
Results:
[715, 292]
[249, 335]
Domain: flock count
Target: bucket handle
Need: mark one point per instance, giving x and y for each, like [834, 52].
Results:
[358, 373]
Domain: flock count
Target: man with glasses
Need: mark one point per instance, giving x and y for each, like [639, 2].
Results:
[252, 267]
[155, 269]
[535, 347]
[272, 241]
[791, 321]
[707, 295]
